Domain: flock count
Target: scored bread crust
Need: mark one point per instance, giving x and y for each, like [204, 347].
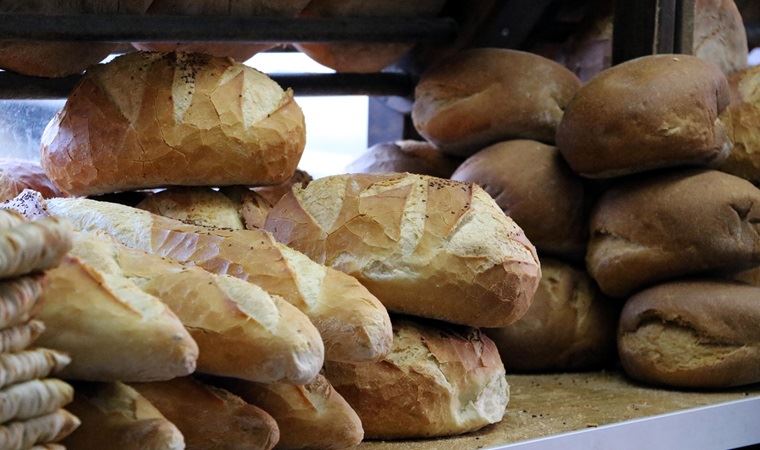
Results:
[424, 246]
[148, 120]
[417, 157]
[694, 334]
[353, 324]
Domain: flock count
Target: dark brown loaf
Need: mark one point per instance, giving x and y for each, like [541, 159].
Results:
[480, 97]
[569, 325]
[692, 334]
[533, 185]
[417, 157]
[670, 225]
[652, 112]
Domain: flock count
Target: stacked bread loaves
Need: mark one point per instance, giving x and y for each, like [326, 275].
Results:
[32, 404]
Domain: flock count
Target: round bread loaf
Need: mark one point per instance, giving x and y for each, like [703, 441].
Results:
[719, 35]
[672, 225]
[417, 157]
[569, 326]
[236, 8]
[363, 57]
[17, 175]
[741, 118]
[533, 185]
[437, 381]
[483, 96]
[56, 58]
[195, 205]
[651, 112]
[423, 246]
[692, 334]
[153, 119]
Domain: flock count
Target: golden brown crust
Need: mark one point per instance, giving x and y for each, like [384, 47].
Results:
[186, 119]
[416, 157]
[480, 97]
[196, 206]
[694, 334]
[17, 175]
[651, 112]
[273, 194]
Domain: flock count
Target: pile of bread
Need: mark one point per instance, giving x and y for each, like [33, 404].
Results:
[31, 404]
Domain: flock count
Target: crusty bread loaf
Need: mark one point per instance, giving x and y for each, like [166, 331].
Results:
[569, 326]
[533, 185]
[274, 193]
[19, 300]
[671, 225]
[28, 365]
[483, 96]
[156, 119]
[693, 334]
[740, 119]
[417, 157]
[211, 418]
[312, 416]
[251, 206]
[240, 329]
[51, 427]
[195, 205]
[436, 382]
[17, 175]
[353, 324]
[719, 34]
[34, 398]
[424, 246]
[19, 337]
[116, 416]
[112, 329]
[651, 112]
[33, 246]
[358, 56]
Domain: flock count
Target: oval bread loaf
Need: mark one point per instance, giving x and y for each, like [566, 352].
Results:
[417, 157]
[148, 120]
[424, 246]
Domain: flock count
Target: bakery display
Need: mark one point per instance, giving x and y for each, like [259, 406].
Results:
[532, 184]
[253, 131]
[648, 113]
[569, 325]
[740, 118]
[421, 158]
[437, 381]
[479, 97]
[17, 175]
[692, 334]
[687, 222]
[424, 246]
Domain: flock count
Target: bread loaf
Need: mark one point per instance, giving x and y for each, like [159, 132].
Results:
[692, 334]
[424, 246]
[353, 324]
[273, 194]
[436, 382]
[111, 329]
[740, 119]
[33, 246]
[115, 416]
[417, 157]
[533, 185]
[28, 365]
[241, 330]
[479, 97]
[20, 337]
[195, 205]
[17, 175]
[719, 34]
[569, 326]
[33, 399]
[211, 418]
[19, 300]
[313, 416]
[357, 56]
[686, 222]
[148, 120]
[51, 427]
[251, 207]
[651, 112]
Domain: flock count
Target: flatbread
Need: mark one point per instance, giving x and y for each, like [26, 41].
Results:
[33, 399]
[18, 299]
[33, 246]
[20, 337]
[31, 364]
[44, 429]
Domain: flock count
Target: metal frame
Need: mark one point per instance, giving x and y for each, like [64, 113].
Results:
[646, 27]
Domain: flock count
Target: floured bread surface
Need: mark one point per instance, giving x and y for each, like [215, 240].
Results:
[423, 245]
[437, 381]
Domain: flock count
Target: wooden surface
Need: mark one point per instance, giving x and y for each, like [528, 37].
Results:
[543, 405]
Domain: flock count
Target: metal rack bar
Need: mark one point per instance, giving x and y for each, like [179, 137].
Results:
[134, 28]
[15, 86]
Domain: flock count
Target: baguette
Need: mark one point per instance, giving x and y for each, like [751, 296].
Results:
[241, 331]
[112, 329]
[353, 324]
[424, 246]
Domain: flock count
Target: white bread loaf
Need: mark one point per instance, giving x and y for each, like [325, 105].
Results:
[33, 246]
[200, 206]
[424, 246]
[116, 416]
[436, 382]
[241, 331]
[20, 337]
[112, 329]
[148, 120]
[353, 324]
[51, 427]
[19, 300]
[28, 365]
[34, 398]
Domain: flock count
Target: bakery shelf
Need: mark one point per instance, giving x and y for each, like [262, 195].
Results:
[606, 410]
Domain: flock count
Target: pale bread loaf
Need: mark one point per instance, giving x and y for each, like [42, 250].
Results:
[30, 364]
[34, 398]
[20, 337]
[33, 246]
[19, 300]
[196, 206]
[116, 416]
[43, 429]
[156, 119]
[17, 175]
[112, 329]
[424, 246]
[353, 324]
[241, 331]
